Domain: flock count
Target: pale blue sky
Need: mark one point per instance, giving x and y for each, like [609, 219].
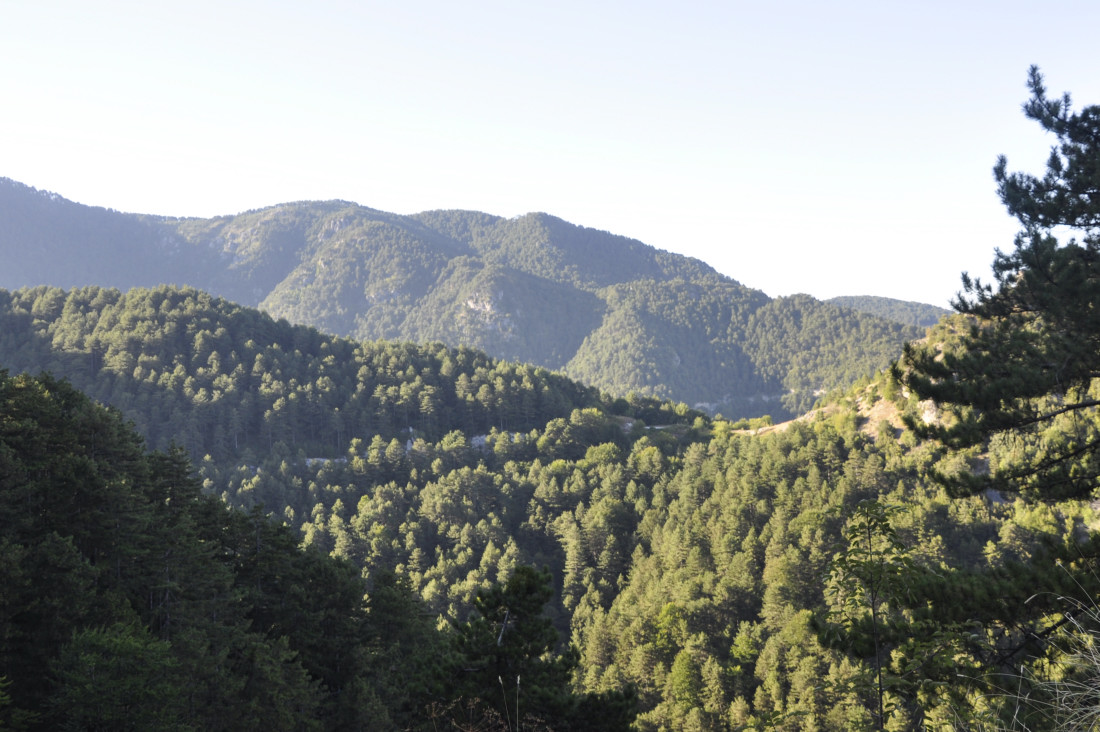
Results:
[831, 148]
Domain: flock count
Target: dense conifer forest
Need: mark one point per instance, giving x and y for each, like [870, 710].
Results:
[692, 572]
[901, 311]
[603, 309]
[214, 519]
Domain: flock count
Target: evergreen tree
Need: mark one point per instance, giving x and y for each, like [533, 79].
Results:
[508, 652]
[116, 678]
[865, 579]
[1023, 362]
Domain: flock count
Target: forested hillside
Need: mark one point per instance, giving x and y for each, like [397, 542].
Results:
[217, 378]
[378, 535]
[702, 574]
[606, 310]
[901, 311]
[132, 601]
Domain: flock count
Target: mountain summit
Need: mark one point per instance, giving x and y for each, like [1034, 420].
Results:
[605, 309]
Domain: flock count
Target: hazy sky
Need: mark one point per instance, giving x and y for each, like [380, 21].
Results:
[834, 148]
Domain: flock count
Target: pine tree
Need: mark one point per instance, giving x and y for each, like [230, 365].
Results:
[1023, 360]
[508, 660]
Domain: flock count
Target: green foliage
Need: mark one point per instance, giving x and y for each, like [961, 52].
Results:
[900, 311]
[222, 380]
[607, 310]
[49, 240]
[688, 561]
[1024, 362]
[866, 577]
[509, 639]
[685, 567]
[389, 501]
[132, 601]
[116, 678]
[509, 651]
[810, 347]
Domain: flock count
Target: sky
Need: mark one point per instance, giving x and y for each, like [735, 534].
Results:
[840, 148]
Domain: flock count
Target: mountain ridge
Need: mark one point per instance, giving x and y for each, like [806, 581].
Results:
[605, 309]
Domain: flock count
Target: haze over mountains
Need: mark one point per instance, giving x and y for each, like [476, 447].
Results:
[604, 309]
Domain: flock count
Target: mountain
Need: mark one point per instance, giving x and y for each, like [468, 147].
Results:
[701, 574]
[604, 309]
[902, 311]
[220, 379]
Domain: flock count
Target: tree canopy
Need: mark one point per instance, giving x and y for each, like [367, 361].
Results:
[606, 310]
[357, 548]
[1021, 364]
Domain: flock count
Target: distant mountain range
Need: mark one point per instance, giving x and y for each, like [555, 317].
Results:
[604, 309]
[901, 311]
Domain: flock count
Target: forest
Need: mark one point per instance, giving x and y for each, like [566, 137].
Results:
[215, 519]
[605, 310]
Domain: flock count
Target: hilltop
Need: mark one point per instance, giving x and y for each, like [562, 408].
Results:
[605, 309]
